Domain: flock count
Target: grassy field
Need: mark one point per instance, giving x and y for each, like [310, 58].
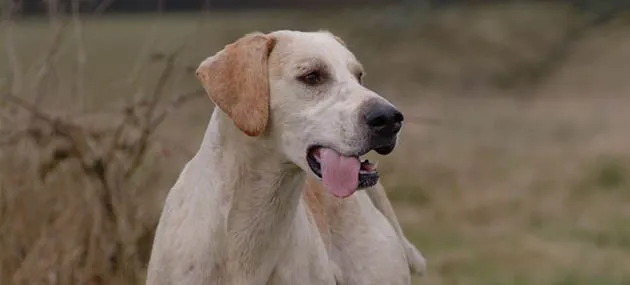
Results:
[512, 181]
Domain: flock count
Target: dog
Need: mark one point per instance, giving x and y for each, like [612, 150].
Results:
[271, 195]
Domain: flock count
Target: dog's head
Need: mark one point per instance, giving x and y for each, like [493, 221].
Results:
[304, 91]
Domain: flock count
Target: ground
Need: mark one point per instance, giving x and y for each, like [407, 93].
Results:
[498, 179]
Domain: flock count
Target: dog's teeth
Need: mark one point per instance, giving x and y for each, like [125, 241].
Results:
[374, 165]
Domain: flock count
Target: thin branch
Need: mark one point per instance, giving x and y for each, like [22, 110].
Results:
[48, 63]
[29, 107]
[176, 103]
[109, 153]
[166, 73]
[142, 143]
[143, 53]
[64, 129]
[81, 55]
[11, 50]
[12, 138]
[151, 126]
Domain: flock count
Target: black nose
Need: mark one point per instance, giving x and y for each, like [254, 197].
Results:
[384, 119]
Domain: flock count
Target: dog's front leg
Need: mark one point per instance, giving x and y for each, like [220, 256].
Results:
[417, 262]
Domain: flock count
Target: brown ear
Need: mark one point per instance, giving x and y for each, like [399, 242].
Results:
[237, 81]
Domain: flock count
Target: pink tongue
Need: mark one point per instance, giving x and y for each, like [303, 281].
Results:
[340, 173]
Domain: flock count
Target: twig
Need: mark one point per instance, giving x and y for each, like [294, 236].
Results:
[10, 46]
[149, 124]
[109, 152]
[176, 103]
[10, 138]
[64, 129]
[29, 107]
[161, 83]
[48, 63]
[141, 144]
[81, 55]
[143, 54]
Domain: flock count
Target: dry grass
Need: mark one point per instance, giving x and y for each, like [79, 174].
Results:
[513, 184]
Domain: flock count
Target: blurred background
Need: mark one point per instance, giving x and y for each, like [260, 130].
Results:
[513, 167]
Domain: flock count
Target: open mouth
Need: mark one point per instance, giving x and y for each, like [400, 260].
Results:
[342, 175]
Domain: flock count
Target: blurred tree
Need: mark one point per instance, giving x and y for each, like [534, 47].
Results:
[602, 10]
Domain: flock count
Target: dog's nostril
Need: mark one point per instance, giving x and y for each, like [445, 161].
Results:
[377, 121]
[398, 117]
[384, 120]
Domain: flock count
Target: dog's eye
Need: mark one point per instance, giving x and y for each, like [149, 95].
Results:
[312, 78]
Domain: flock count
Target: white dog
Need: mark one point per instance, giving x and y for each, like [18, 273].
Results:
[289, 103]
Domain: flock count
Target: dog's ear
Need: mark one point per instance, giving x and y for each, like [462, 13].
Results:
[237, 81]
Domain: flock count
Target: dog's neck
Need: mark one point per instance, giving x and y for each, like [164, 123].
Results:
[262, 188]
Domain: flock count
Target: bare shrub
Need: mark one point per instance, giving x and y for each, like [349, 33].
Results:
[70, 183]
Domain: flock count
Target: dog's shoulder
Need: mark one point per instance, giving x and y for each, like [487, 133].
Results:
[181, 253]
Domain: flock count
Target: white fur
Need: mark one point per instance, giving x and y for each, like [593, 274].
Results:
[236, 214]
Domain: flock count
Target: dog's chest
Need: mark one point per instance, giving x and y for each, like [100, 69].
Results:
[304, 259]
[367, 248]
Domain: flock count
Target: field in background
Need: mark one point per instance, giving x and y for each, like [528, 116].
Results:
[518, 176]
